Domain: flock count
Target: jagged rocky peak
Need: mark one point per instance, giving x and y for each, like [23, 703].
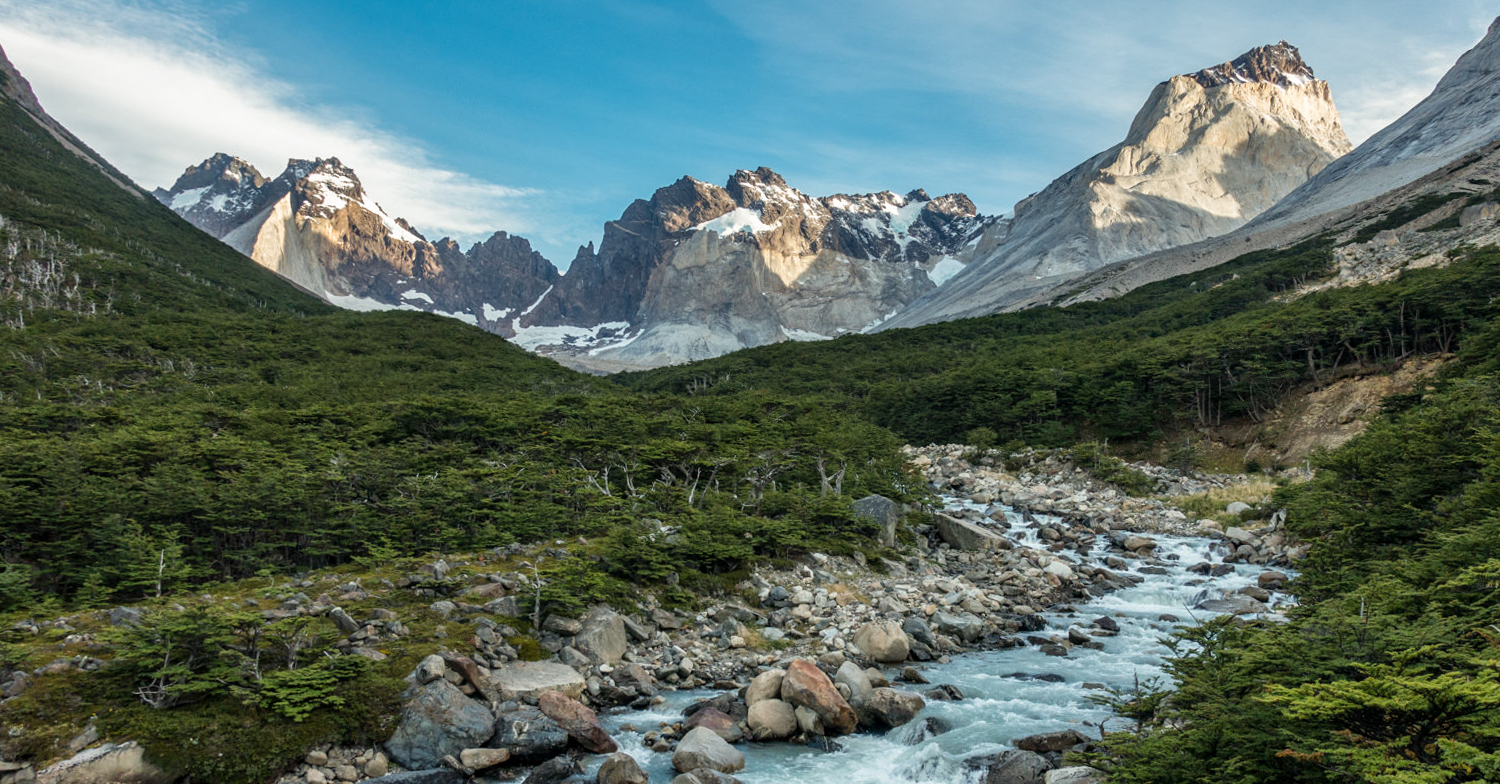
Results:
[221, 167]
[1279, 64]
[685, 204]
[217, 194]
[324, 185]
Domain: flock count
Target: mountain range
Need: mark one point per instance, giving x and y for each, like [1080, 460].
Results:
[700, 270]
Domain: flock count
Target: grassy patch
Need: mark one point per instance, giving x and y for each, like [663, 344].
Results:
[1211, 505]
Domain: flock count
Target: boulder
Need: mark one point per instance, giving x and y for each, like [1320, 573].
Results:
[430, 669]
[964, 535]
[965, 626]
[344, 621]
[567, 627]
[553, 771]
[702, 748]
[1239, 535]
[1011, 767]
[124, 616]
[1078, 774]
[581, 724]
[1234, 604]
[602, 637]
[1051, 741]
[525, 681]
[765, 686]
[806, 686]
[917, 629]
[705, 776]
[1237, 507]
[1059, 569]
[808, 721]
[483, 759]
[110, 763]
[1478, 213]
[437, 722]
[621, 768]
[772, 719]
[721, 723]
[858, 683]
[528, 735]
[883, 512]
[1271, 581]
[883, 641]
[892, 708]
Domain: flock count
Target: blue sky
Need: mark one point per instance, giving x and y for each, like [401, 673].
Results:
[547, 118]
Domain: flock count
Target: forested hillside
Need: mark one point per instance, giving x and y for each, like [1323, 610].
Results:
[1192, 351]
[171, 411]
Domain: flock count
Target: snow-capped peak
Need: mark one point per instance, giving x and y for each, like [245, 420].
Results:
[1279, 64]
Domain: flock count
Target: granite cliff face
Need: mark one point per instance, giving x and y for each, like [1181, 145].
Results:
[698, 270]
[1208, 152]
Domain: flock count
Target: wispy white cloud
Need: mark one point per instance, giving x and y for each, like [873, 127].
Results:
[152, 89]
[1097, 59]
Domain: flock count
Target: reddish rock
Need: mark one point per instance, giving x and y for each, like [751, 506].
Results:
[805, 685]
[721, 723]
[580, 722]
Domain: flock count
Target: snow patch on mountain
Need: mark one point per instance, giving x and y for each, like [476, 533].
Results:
[737, 221]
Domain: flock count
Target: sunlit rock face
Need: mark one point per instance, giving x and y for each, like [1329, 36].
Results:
[1208, 152]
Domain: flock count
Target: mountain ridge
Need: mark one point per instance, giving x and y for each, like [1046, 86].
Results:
[1206, 153]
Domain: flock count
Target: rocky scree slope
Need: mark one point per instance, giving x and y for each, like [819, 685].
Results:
[1208, 152]
[695, 271]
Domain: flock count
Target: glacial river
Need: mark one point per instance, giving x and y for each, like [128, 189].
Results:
[1003, 698]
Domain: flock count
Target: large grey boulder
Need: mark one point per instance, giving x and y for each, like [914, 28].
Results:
[525, 681]
[883, 641]
[765, 686]
[1233, 604]
[553, 771]
[1011, 767]
[438, 721]
[883, 512]
[860, 688]
[1078, 774]
[964, 535]
[892, 708]
[772, 719]
[703, 748]
[529, 735]
[107, 764]
[621, 768]
[603, 637]
[965, 626]
[705, 776]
